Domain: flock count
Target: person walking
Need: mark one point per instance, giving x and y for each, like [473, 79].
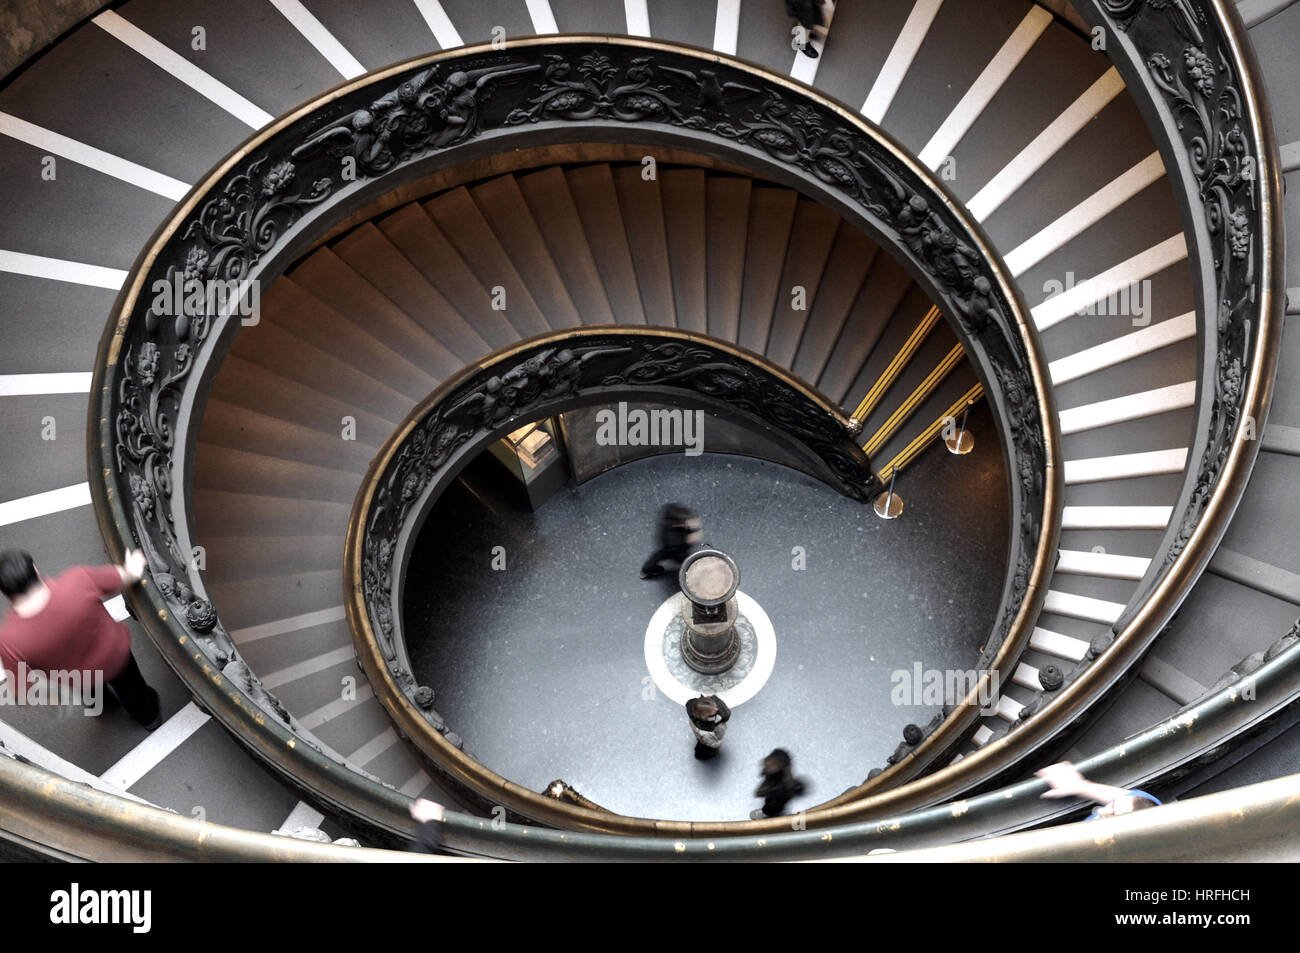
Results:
[61, 625]
[809, 16]
[679, 533]
[779, 785]
[709, 715]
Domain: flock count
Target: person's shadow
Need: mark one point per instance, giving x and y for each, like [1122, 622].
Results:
[712, 771]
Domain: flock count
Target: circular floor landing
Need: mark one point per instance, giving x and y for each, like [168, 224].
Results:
[541, 668]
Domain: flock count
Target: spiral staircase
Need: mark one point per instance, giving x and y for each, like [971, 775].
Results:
[1008, 103]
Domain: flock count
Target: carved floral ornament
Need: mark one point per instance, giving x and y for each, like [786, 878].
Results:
[529, 384]
[1191, 66]
[243, 220]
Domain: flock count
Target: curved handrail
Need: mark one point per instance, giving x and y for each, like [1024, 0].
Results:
[258, 207]
[1241, 383]
[82, 822]
[1251, 823]
[539, 378]
[1211, 121]
[74, 821]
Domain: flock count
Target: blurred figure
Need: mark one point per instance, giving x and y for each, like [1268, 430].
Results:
[779, 785]
[809, 16]
[61, 625]
[430, 814]
[1065, 780]
[709, 715]
[679, 533]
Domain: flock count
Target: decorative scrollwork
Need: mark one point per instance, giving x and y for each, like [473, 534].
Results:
[595, 87]
[720, 376]
[422, 114]
[1182, 14]
[378, 129]
[237, 226]
[1191, 68]
[530, 384]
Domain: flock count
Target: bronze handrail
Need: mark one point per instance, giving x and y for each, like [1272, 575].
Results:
[73, 821]
[76, 821]
[252, 211]
[547, 374]
[1225, 467]
[1259, 822]
[1247, 388]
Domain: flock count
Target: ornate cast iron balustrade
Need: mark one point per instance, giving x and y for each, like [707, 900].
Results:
[1217, 143]
[1190, 71]
[294, 179]
[541, 378]
[1203, 130]
[1191, 60]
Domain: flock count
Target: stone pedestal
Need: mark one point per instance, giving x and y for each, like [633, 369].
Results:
[710, 643]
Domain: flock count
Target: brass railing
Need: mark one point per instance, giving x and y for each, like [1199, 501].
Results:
[266, 202]
[1256, 823]
[930, 433]
[1216, 141]
[537, 378]
[74, 821]
[534, 379]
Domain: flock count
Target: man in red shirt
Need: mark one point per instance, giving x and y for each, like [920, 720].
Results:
[61, 625]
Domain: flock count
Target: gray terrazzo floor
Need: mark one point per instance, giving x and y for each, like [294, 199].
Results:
[540, 667]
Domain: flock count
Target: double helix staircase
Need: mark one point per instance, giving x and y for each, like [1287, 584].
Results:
[1007, 102]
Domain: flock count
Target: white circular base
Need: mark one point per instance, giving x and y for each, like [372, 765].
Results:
[738, 694]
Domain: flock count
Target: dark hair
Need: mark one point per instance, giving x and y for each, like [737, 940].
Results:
[776, 762]
[17, 572]
[702, 707]
[678, 513]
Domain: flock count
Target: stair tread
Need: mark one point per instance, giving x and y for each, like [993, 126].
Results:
[418, 238]
[847, 268]
[592, 189]
[249, 602]
[245, 514]
[728, 232]
[373, 256]
[463, 223]
[771, 216]
[228, 425]
[503, 205]
[685, 208]
[811, 237]
[351, 335]
[547, 194]
[221, 467]
[232, 558]
[887, 287]
[248, 387]
[290, 342]
[641, 204]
